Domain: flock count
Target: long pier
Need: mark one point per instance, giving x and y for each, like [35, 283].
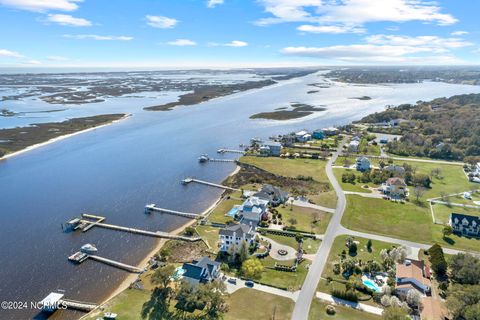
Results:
[230, 151]
[221, 160]
[153, 207]
[56, 299]
[116, 264]
[78, 305]
[211, 184]
[91, 225]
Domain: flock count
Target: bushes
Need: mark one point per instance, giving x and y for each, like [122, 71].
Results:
[330, 310]
[437, 259]
[345, 295]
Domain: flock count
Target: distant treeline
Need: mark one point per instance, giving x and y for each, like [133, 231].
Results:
[442, 128]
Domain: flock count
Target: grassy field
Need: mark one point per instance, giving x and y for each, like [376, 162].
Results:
[128, 305]
[371, 149]
[290, 280]
[357, 187]
[442, 212]
[317, 311]
[219, 213]
[246, 304]
[305, 217]
[327, 199]
[209, 235]
[290, 167]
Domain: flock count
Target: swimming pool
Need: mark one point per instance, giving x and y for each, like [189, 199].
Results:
[232, 212]
[178, 273]
[372, 285]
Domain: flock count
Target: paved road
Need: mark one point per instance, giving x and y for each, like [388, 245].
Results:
[309, 288]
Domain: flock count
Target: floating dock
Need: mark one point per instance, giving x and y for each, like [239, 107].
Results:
[153, 207]
[211, 184]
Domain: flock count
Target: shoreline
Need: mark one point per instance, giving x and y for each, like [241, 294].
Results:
[53, 140]
[131, 278]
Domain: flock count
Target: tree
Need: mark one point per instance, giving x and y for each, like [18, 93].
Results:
[414, 299]
[252, 269]
[369, 245]
[352, 249]
[447, 231]
[242, 253]
[162, 276]
[347, 162]
[292, 221]
[437, 259]
[465, 269]
[463, 302]
[394, 313]
[189, 231]
[214, 299]
[418, 192]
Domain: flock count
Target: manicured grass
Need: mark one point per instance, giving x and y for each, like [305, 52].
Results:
[247, 304]
[317, 311]
[327, 199]
[128, 305]
[209, 235]
[454, 241]
[405, 221]
[309, 245]
[305, 217]
[371, 149]
[442, 212]
[290, 167]
[219, 213]
[357, 187]
[283, 279]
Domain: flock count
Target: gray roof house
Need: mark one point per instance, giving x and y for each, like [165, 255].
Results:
[362, 164]
[274, 195]
[202, 271]
[465, 225]
[232, 236]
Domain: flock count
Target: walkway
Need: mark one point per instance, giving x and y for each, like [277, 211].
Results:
[366, 195]
[291, 252]
[359, 306]
[231, 288]
[307, 204]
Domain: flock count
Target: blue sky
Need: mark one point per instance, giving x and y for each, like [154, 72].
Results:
[237, 33]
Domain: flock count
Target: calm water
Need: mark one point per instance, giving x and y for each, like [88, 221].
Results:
[116, 170]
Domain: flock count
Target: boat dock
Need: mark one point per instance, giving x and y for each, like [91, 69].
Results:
[222, 160]
[230, 151]
[211, 184]
[79, 257]
[152, 207]
[78, 305]
[156, 234]
[91, 225]
[54, 300]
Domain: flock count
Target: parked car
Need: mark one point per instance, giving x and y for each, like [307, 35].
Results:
[249, 284]
[232, 281]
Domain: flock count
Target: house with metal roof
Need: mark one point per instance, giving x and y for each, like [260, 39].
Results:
[202, 271]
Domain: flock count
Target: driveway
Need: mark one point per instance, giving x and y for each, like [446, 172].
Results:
[307, 204]
[231, 288]
[359, 306]
[291, 252]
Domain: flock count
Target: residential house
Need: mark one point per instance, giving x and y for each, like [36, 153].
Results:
[275, 196]
[231, 237]
[202, 271]
[465, 225]
[331, 131]
[412, 275]
[353, 146]
[271, 148]
[397, 171]
[395, 187]
[362, 164]
[253, 210]
[318, 134]
[303, 136]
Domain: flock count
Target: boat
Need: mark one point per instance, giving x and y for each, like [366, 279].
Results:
[109, 315]
[203, 158]
[88, 248]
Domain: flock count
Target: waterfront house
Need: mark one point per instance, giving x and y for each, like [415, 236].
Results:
[231, 237]
[253, 210]
[465, 225]
[331, 131]
[412, 275]
[303, 136]
[362, 164]
[202, 271]
[395, 187]
[318, 134]
[271, 148]
[275, 196]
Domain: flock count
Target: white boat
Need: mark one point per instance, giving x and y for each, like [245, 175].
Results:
[203, 158]
[88, 248]
[109, 315]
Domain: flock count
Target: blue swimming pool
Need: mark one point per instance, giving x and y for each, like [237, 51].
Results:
[372, 285]
[232, 212]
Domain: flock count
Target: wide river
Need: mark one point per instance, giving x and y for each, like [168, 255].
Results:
[115, 170]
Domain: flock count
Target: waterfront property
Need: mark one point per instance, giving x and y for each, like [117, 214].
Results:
[303, 136]
[231, 237]
[412, 275]
[330, 131]
[202, 271]
[271, 148]
[362, 164]
[465, 225]
[253, 210]
[275, 196]
[318, 134]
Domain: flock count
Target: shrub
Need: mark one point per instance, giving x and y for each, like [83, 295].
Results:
[345, 295]
[330, 310]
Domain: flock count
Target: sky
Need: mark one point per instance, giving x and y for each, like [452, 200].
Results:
[237, 33]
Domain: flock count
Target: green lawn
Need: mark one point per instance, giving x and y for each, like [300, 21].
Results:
[305, 217]
[247, 304]
[282, 279]
[127, 305]
[317, 311]
[309, 245]
[327, 199]
[209, 235]
[357, 187]
[442, 212]
[371, 149]
[219, 213]
[290, 167]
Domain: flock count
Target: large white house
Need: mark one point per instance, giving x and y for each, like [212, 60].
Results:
[303, 136]
[231, 237]
[395, 187]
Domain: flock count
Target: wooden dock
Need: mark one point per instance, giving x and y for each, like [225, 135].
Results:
[57, 299]
[78, 305]
[230, 151]
[221, 160]
[91, 225]
[153, 207]
[79, 257]
[211, 184]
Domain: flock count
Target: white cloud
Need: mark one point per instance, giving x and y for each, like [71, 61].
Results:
[352, 14]
[98, 37]
[161, 22]
[236, 43]
[434, 43]
[10, 54]
[459, 33]
[31, 62]
[42, 5]
[330, 29]
[68, 20]
[182, 42]
[214, 3]
[57, 58]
